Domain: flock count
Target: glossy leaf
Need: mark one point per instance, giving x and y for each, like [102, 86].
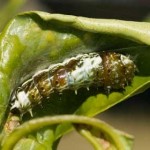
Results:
[9, 10]
[35, 40]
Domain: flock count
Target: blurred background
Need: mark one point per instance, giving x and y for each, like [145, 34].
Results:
[131, 116]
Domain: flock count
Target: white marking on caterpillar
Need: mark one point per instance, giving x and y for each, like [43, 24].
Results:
[108, 70]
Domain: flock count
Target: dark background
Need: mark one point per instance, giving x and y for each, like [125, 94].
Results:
[118, 9]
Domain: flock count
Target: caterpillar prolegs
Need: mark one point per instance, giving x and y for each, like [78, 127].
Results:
[108, 70]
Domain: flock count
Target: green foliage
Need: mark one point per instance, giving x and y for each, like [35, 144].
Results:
[10, 9]
[88, 127]
[35, 40]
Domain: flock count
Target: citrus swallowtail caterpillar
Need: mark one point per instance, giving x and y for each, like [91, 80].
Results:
[108, 70]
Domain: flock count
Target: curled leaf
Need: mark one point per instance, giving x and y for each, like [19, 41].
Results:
[34, 40]
[96, 127]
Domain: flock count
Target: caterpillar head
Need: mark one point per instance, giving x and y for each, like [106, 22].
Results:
[20, 102]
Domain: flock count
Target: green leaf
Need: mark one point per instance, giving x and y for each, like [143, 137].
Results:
[102, 102]
[29, 144]
[34, 40]
[97, 128]
[10, 6]
[100, 140]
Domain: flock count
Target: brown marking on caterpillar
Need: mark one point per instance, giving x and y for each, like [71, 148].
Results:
[109, 70]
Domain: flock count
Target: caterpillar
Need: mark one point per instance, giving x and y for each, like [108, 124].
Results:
[108, 70]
